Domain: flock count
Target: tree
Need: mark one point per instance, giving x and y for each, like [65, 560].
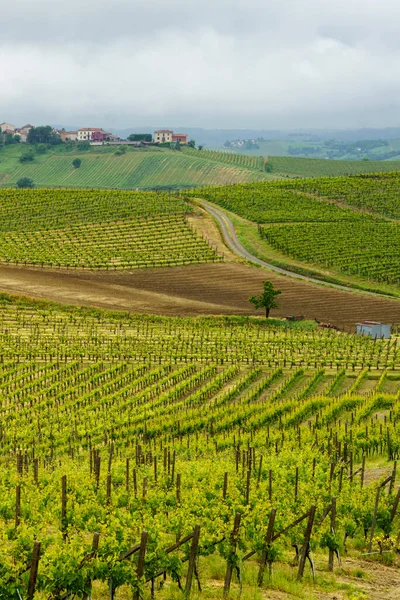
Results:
[76, 163]
[43, 134]
[25, 182]
[11, 139]
[191, 144]
[140, 137]
[200, 147]
[267, 298]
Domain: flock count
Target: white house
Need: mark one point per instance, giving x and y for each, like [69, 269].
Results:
[85, 134]
[7, 127]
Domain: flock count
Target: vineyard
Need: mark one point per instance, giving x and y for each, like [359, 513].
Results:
[367, 249]
[287, 166]
[345, 224]
[231, 158]
[135, 169]
[135, 449]
[98, 230]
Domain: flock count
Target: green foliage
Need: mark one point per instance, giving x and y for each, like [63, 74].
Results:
[267, 298]
[41, 148]
[11, 138]
[140, 137]
[43, 134]
[25, 182]
[121, 150]
[76, 163]
[191, 144]
[27, 156]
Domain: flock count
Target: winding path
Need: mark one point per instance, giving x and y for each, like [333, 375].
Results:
[232, 241]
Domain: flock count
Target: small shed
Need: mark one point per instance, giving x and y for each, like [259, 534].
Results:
[374, 329]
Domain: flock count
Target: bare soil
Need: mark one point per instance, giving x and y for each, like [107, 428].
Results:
[211, 289]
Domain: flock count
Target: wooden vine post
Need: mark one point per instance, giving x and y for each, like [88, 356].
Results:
[17, 505]
[192, 560]
[95, 547]
[34, 571]
[64, 506]
[140, 567]
[304, 552]
[332, 530]
[234, 540]
[267, 544]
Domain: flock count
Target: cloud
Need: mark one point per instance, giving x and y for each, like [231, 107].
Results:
[231, 63]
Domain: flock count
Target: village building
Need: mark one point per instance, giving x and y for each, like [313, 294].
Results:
[23, 132]
[182, 138]
[7, 128]
[68, 136]
[163, 136]
[95, 134]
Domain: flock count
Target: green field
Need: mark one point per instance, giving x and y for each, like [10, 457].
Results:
[346, 225]
[101, 167]
[114, 425]
[98, 230]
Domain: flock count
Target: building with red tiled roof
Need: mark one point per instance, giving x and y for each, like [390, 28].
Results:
[182, 138]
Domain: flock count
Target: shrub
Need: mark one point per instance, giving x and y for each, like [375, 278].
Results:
[76, 163]
[41, 148]
[25, 182]
[27, 156]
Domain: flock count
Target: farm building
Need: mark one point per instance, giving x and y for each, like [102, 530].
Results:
[182, 138]
[374, 329]
[163, 136]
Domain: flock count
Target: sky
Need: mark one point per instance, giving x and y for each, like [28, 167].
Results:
[263, 64]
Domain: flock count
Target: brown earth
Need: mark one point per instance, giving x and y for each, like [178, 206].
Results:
[196, 290]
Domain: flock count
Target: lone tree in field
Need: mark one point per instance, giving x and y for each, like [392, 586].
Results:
[76, 163]
[25, 182]
[267, 298]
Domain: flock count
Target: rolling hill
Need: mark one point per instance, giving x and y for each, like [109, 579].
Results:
[102, 167]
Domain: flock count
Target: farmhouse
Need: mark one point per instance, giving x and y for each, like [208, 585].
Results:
[166, 136]
[163, 136]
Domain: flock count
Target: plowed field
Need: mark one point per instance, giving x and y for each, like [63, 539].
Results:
[197, 290]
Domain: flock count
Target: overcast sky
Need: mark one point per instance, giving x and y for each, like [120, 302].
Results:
[201, 63]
